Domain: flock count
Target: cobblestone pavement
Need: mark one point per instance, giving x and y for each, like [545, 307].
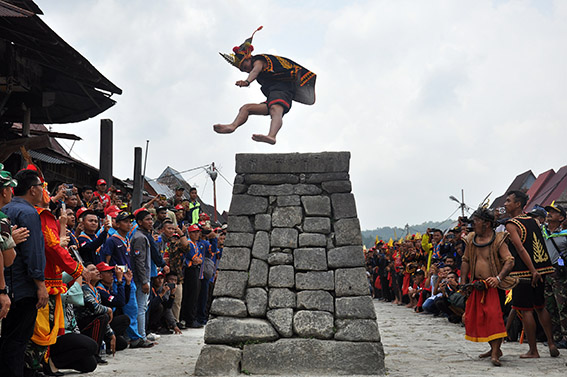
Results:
[423, 345]
[414, 344]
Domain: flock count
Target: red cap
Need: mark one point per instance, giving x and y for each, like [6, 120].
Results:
[100, 182]
[193, 228]
[81, 211]
[179, 206]
[113, 214]
[103, 266]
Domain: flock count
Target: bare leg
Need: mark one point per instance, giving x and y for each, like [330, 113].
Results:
[276, 113]
[495, 352]
[242, 117]
[545, 321]
[528, 321]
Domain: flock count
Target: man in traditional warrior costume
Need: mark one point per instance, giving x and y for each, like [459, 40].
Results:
[531, 261]
[489, 261]
[282, 81]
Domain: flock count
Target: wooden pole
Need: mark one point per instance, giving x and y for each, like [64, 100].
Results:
[106, 151]
[138, 183]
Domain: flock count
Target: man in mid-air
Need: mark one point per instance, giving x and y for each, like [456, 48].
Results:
[282, 81]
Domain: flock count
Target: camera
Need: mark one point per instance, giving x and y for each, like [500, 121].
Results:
[69, 189]
[123, 268]
[171, 285]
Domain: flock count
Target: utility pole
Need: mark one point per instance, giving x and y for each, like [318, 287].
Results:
[463, 202]
[213, 174]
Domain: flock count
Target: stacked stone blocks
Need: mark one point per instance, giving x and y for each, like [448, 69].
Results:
[292, 272]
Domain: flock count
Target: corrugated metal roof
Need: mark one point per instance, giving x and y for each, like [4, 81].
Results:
[161, 189]
[44, 157]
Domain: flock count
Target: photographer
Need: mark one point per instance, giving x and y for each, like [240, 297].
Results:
[160, 315]
[115, 294]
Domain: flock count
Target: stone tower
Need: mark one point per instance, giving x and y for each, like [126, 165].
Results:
[292, 296]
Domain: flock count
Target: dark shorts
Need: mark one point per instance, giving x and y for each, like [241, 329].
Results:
[526, 297]
[280, 97]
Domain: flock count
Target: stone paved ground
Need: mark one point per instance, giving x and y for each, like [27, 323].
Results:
[411, 348]
[440, 349]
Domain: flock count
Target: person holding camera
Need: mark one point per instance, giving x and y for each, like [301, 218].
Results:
[160, 315]
[114, 290]
[556, 283]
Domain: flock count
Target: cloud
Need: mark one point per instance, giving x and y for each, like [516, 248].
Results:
[429, 97]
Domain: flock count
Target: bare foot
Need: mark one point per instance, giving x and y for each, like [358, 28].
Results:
[264, 138]
[496, 362]
[553, 351]
[224, 128]
[489, 353]
[530, 356]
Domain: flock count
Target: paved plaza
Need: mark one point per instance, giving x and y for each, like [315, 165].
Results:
[411, 347]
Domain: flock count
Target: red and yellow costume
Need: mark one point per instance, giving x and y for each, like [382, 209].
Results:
[57, 260]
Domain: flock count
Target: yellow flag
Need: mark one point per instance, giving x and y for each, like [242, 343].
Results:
[391, 242]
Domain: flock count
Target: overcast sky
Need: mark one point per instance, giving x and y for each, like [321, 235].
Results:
[430, 97]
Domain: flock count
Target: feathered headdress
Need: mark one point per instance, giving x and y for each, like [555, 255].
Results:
[242, 52]
[32, 166]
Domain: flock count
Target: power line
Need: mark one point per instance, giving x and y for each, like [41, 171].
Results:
[224, 178]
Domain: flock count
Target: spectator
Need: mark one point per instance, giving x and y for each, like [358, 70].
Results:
[207, 244]
[191, 287]
[177, 198]
[88, 197]
[141, 264]
[556, 283]
[101, 193]
[175, 245]
[117, 251]
[93, 318]
[161, 215]
[91, 238]
[8, 238]
[193, 207]
[161, 319]
[115, 294]
[180, 216]
[26, 274]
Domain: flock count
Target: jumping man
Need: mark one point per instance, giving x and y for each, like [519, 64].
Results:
[281, 80]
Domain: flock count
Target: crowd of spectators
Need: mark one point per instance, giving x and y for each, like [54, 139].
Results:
[423, 273]
[83, 276]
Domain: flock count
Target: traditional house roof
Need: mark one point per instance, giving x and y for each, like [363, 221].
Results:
[40, 72]
[538, 187]
[522, 182]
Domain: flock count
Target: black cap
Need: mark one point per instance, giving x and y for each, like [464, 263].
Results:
[556, 207]
[124, 215]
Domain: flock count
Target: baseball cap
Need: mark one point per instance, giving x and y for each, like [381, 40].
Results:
[124, 215]
[103, 266]
[537, 212]
[100, 182]
[193, 228]
[179, 207]
[556, 207]
[140, 213]
[180, 188]
[84, 211]
[6, 179]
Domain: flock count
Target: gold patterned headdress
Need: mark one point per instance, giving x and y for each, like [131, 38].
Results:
[242, 52]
